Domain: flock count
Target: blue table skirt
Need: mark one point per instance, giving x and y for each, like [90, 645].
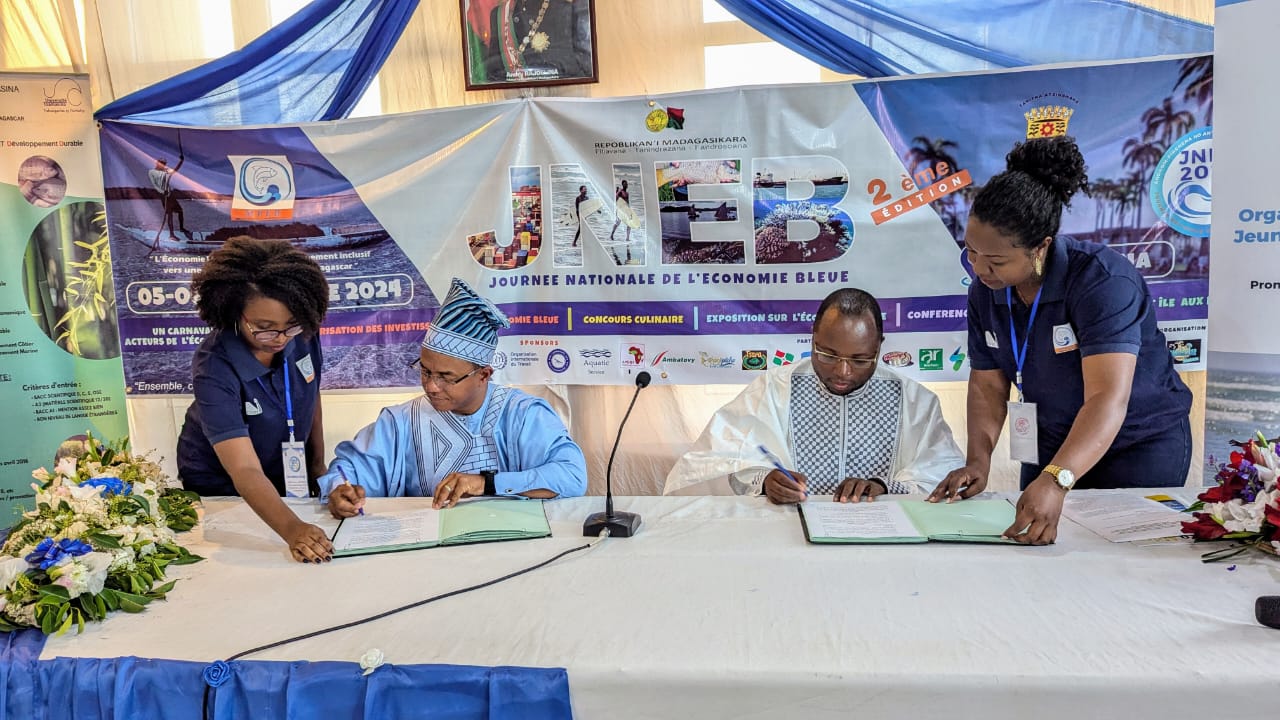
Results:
[130, 688]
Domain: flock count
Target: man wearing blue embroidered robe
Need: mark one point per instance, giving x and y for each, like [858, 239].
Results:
[465, 436]
[843, 424]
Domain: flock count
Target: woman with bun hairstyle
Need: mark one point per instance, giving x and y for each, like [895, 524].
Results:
[256, 381]
[1071, 326]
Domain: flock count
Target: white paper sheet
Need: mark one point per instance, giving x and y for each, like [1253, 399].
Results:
[410, 527]
[884, 519]
[1123, 517]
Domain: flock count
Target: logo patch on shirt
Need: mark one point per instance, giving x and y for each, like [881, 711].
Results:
[992, 342]
[1064, 339]
[306, 368]
[253, 408]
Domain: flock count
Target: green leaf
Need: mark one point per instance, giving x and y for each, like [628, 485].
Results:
[102, 540]
[161, 591]
[130, 606]
[110, 598]
[55, 591]
[138, 599]
[65, 625]
[48, 620]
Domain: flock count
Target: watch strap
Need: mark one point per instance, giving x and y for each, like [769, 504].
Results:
[490, 481]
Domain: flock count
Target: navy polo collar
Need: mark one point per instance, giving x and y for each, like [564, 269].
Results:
[242, 359]
[1054, 286]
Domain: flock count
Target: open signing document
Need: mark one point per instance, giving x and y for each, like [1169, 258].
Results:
[905, 521]
[405, 528]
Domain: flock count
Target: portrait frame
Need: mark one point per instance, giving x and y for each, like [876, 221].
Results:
[528, 43]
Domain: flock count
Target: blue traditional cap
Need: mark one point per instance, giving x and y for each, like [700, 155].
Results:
[466, 327]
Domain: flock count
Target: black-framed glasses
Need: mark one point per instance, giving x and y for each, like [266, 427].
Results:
[269, 335]
[828, 360]
[443, 379]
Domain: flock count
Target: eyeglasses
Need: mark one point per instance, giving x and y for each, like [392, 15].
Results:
[829, 360]
[269, 335]
[441, 380]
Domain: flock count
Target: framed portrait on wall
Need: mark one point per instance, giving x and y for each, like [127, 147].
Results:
[523, 43]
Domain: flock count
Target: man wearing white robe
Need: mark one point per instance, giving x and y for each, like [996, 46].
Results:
[839, 422]
[465, 436]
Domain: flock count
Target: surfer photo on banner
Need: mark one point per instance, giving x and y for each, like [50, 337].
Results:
[625, 215]
[577, 212]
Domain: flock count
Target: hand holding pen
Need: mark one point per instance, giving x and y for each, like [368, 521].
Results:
[781, 485]
[346, 500]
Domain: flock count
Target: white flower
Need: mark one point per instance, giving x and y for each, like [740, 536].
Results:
[85, 574]
[10, 569]
[371, 660]
[146, 550]
[122, 559]
[1238, 516]
[74, 531]
[98, 565]
[65, 466]
[40, 474]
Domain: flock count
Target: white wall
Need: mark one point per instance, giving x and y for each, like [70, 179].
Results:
[665, 422]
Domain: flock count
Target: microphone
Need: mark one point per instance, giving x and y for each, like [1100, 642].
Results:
[619, 524]
[1267, 609]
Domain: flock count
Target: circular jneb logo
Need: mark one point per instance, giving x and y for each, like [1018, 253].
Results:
[1181, 187]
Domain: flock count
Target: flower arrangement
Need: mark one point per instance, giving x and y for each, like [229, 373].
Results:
[1244, 505]
[98, 540]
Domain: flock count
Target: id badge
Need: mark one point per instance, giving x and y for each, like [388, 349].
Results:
[295, 469]
[1023, 436]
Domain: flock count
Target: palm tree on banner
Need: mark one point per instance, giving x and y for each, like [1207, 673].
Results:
[927, 153]
[1142, 154]
[1166, 123]
[1197, 75]
[1103, 195]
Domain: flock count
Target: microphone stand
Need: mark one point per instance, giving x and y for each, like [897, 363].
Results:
[619, 524]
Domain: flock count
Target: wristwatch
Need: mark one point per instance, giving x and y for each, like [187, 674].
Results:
[490, 481]
[1064, 477]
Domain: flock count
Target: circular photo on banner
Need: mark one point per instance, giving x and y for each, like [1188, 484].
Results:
[66, 280]
[41, 181]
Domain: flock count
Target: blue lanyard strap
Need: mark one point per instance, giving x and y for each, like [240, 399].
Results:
[1019, 358]
[288, 398]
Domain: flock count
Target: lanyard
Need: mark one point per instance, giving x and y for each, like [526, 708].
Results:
[288, 399]
[1019, 358]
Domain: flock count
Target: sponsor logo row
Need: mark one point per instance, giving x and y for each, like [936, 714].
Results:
[928, 358]
[638, 356]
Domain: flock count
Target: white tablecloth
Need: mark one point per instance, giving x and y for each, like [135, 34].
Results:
[718, 608]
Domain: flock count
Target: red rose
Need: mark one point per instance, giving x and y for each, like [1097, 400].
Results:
[1272, 514]
[1228, 489]
[1204, 527]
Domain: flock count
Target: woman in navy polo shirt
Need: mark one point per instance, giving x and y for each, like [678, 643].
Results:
[1071, 325]
[256, 379]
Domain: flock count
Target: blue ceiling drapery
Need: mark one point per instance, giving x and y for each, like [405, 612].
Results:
[317, 64]
[313, 66]
[900, 37]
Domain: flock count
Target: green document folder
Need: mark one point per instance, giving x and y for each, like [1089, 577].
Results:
[471, 521]
[906, 521]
